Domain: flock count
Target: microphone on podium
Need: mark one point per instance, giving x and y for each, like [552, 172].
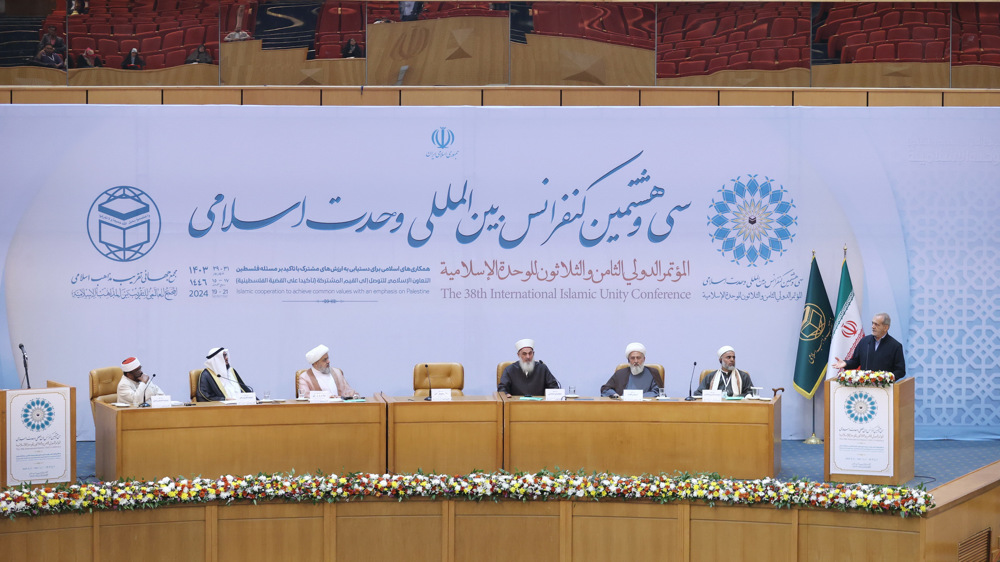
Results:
[430, 385]
[145, 391]
[691, 380]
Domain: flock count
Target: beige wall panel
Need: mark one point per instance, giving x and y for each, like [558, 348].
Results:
[281, 96]
[528, 531]
[836, 544]
[975, 76]
[755, 97]
[49, 95]
[185, 75]
[5, 96]
[69, 544]
[679, 96]
[246, 63]
[361, 96]
[971, 99]
[882, 98]
[202, 96]
[32, 76]
[166, 541]
[831, 98]
[142, 96]
[441, 96]
[447, 52]
[415, 527]
[788, 78]
[626, 531]
[881, 75]
[270, 539]
[522, 96]
[600, 96]
[570, 61]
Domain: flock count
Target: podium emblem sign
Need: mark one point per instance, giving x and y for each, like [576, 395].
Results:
[38, 436]
[861, 431]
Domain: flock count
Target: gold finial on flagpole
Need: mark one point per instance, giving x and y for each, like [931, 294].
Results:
[814, 254]
[845, 251]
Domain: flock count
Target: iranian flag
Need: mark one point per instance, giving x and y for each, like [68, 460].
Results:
[847, 328]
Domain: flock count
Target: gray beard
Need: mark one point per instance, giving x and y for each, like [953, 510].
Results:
[727, 369]
[527, 366]
[637, 370]
[325, 370]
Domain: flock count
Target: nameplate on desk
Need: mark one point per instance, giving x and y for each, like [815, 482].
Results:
[711, 395]
[440, 395]
[555, 394]
[632, 395]
[246, 399]
[160, 401]
[319, 397]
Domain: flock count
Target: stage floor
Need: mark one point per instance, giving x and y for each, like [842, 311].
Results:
[936, 462]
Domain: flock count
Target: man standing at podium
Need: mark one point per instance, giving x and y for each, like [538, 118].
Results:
[135, 388]
[322, 376]
[635, 376]
[219, 381]
[730, 380]
[877, 352]
[526, 377]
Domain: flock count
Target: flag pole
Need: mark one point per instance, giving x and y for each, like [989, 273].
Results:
[813, 439]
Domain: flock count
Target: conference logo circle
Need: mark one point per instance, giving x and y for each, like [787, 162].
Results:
[814, 323]
[752, 221]
[850, 328]
[861, 407]
[123, 223]
[38, 414]
[443, 137]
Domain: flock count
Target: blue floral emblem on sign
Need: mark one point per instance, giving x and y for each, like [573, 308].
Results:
[861, 407]
[123, 223]
[38, 414]
[752, 220]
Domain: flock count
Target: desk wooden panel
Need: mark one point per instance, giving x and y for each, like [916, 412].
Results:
[737, 439]
[454, 437]
[212, 439]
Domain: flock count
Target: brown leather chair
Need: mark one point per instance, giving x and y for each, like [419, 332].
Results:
[194, 376]
[704, 374]
[657, 372]
[438, 375]
[297, 375]
[501, 367]
[104, 386]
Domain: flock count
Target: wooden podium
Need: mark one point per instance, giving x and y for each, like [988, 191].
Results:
[898, 452]
[70, 475]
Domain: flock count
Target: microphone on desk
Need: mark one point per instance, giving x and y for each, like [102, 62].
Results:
[691, 380]
[430, 385]
[145, 401]
[24, 356]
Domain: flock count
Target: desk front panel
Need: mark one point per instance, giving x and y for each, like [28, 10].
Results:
[736, 439]
[213, 439]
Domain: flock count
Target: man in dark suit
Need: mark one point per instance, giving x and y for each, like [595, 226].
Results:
[877, 352]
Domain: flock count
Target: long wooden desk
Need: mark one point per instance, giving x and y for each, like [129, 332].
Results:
[212, 439]
[454, 437]
[741, 439]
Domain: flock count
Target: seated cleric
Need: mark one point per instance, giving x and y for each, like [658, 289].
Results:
[730, 380]
[219, 381]
[135, 388]
[637, 376]
[527, 377]
[323, 377]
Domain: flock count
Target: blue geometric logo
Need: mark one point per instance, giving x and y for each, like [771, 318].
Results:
[38, 414]
[442, 137]
[123, 223]
[861, 407]
[752, 220]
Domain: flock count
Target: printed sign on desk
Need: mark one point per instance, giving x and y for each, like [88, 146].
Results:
[38, 436]
[861, 431]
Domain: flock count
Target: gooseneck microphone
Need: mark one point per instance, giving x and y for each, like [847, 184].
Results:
[24, 356]
[145, 401]
[691, 380]
[430, 385]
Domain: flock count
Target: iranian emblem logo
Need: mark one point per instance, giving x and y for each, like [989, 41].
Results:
[861, 407]
[443, 137]
[38, 414]
[123, 223]
[752, 220]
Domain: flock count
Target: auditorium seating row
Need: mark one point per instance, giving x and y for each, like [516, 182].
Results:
[917, 32]
[840, 20]
[976, 34]
[760, 59]
[338, 23]
[676, 17]
[892, 51]
[628, 24]
[435, 10]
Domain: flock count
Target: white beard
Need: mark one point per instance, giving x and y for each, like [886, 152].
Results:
[325, 370]
[637, 370]
[727, 369]
[527, 366]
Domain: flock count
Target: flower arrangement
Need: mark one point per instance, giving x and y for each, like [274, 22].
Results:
[880, 379]
[478, 486]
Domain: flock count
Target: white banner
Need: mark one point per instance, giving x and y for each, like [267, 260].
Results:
[406, 235]
[861, 431]
[38, 436]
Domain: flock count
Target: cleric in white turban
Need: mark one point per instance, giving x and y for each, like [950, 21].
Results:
[730, 380]
[219, 381]
[526, 377]
[634, 376]
[135, 388]
[321, 376]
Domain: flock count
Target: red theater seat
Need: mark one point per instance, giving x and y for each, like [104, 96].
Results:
[934, 51]
[885, 52]
[691, 67]
[865, 53]
[154, 61]
[910, 51]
